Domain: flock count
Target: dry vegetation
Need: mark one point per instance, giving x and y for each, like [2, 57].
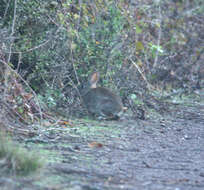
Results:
[15, 160]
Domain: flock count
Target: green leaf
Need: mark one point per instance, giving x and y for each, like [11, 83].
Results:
[133, 96]
[139, 46]
[138, 29]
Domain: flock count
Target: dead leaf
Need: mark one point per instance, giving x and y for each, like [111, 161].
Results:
[27, 96]
[62, 122]
[95, 145]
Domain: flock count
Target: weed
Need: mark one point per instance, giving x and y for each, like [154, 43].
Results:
[17, 160]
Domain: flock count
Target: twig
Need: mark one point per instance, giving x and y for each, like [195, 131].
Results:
[75, 87]
[19, 61]
[159, 38]
[14, 112]
[78, 22]
[35, 95]
[12, 30]
[6, 10]
[31, 49]
[149, 86]
[9, 56]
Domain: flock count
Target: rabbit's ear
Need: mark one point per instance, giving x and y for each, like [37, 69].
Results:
[94, 79]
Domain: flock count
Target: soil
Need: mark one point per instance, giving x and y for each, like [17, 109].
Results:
[162, 152]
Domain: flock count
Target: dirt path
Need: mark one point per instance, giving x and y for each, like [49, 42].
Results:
[166, 153]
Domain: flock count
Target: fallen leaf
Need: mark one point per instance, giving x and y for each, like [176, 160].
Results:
[64, 123]
[95, 145]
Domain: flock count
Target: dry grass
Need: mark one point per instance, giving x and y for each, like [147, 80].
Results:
[16, 160]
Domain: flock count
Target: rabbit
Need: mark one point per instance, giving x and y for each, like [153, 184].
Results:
[101, 101]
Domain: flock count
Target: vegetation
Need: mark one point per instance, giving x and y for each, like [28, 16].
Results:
[149, 51]
[16, 160]
[141, 48]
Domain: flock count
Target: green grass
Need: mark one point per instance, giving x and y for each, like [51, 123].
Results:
[17, 160]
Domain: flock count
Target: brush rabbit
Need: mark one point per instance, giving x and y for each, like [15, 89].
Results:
[101, 101]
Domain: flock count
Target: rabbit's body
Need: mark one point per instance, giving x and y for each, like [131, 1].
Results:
[101, 101]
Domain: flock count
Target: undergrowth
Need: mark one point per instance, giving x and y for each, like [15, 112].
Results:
[16, 160]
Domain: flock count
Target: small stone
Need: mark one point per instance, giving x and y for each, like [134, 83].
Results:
[202, 174]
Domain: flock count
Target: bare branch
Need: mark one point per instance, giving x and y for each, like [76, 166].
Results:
[9, 56]
[35, 95]
[6, 10]
[159, 38]
[149, 86]
[12, 30]
[31, 49]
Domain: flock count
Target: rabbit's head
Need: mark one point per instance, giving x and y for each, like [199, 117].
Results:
[99, 100]
[90, 84]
